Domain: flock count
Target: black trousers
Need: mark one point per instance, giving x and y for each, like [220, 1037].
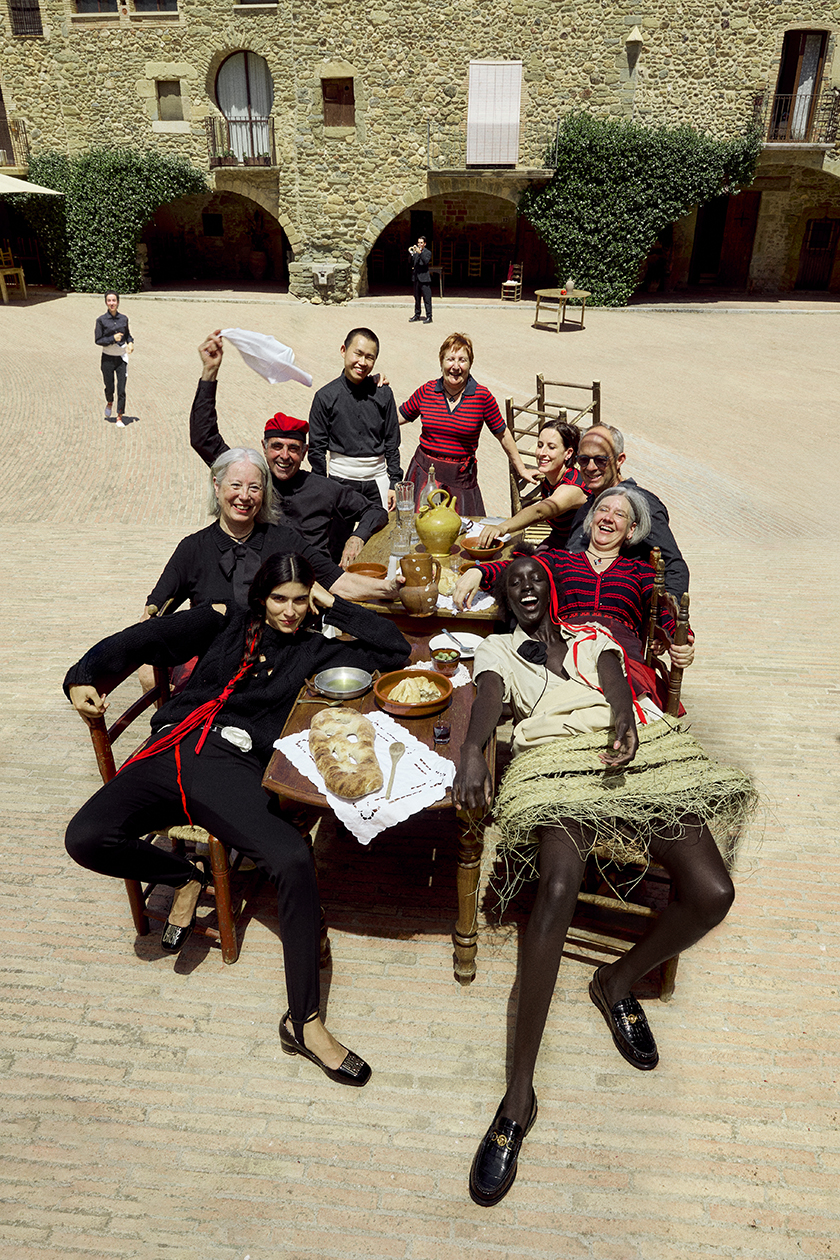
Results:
[423, 288]
[224, 794]
[114, 365]
[368, 488]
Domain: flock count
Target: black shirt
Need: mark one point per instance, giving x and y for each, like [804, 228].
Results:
[109, 324]
[324, 511]
[355, 420]
[206, 568]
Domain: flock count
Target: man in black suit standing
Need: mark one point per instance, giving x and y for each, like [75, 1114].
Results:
[420, 259]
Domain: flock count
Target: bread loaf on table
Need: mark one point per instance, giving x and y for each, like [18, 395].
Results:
[341, 742]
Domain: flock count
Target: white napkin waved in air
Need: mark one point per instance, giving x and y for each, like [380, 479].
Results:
[422, 778]
[267, 356]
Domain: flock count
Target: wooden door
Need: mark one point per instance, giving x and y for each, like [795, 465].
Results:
[818, 249]
[738, 237]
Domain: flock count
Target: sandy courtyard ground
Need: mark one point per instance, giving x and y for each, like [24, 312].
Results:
[149, 1113]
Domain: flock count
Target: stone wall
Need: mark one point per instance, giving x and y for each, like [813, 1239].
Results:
[91, 80]
[790, 196]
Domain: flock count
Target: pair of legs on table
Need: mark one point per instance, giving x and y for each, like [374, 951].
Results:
[703, 893]
[223, 791]
[114, 365]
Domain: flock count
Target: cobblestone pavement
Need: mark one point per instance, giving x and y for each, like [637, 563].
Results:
[149, 1113]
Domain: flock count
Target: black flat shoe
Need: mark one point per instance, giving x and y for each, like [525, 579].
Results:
[174, 937]
[495, 1165]
[353, 1070]
[414, 319]
[428, 321]
[629, 1027]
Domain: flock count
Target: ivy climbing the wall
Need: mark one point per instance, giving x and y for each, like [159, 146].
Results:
[89, 236]
[617, 185]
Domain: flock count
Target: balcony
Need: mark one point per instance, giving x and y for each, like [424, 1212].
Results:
[14, 147]
[800, 118]
[240, 142]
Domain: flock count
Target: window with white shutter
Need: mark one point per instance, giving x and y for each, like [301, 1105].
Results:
[493, 113]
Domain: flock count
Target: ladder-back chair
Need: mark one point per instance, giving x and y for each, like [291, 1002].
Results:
[103, 738]
[512, 287]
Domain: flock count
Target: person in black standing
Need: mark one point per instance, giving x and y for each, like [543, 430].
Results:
[421, 256]
[113, 335]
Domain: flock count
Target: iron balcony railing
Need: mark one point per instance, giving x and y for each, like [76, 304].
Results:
[800, 117]
[14, 146]
[240, 142]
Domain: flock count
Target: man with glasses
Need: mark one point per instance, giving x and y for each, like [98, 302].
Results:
[599, 458]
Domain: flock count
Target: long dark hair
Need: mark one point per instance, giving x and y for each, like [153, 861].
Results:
[282, 567]
[569, 434]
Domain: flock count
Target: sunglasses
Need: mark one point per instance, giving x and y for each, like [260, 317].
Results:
[600, 461]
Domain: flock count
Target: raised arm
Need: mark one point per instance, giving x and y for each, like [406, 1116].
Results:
[205, 438]
[472, 787]
[564, 498]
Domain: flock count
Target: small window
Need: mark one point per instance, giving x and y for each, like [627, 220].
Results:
[156, 6]
[170, 105]
[339, 103]
[96, 6]
[211, 225]
[26, 17]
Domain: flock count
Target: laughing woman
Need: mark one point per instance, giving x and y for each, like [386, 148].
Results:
[205, 760]
[568, 691]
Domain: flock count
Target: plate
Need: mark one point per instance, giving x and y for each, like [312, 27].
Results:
[470, 642]
[342, 682]
[384, 685]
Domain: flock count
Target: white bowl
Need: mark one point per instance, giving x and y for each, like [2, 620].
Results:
[470, 642]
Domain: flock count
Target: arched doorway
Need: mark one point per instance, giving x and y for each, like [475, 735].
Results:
[212, 239]
[473, 237]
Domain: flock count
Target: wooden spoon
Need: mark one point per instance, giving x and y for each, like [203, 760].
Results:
[396, 750]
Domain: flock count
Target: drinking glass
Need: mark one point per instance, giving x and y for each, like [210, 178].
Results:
[405, 499]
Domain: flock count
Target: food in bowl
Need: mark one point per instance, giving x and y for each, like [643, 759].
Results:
[470, 545]
[422, 682]
[413, 691]
[343, 682]
[447, 660]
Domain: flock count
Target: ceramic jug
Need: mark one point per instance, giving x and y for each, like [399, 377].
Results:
[438, 524]
[419, 601]
[420, 569]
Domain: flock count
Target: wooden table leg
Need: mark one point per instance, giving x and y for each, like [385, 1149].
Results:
[537, 314]
[470, 848]
[582, 312]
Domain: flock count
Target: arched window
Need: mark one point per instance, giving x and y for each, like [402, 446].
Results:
[245, 93]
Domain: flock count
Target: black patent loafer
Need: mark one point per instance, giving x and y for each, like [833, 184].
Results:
[174, 937]
[352, 1071]
[496, 1161]
[629, 1027]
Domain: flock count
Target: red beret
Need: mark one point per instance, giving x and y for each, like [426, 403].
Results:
[288, 425]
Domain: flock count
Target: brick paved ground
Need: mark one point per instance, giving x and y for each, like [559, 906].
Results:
[149, 1113]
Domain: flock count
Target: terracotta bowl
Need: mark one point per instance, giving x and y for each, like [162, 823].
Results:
[470, 545]
[446, 660]
[369, 570]
[384, 685]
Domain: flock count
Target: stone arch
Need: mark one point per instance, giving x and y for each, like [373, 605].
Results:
[265, 196]
[466, 212]
[210, 237]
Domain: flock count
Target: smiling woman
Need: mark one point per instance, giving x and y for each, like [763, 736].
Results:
[453, 410]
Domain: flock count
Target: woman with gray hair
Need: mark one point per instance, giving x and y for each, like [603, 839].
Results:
[218, 564]
[600, 584]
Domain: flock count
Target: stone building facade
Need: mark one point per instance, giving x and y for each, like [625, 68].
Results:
[347, 127]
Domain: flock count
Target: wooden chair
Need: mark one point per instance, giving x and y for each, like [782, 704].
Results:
[651, 880]
[9, 271]
[524, 422]
[474, 260]
[512, 287]
[103, 738]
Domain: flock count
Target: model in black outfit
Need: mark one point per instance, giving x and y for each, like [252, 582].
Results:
[252, 663]
[422, 278]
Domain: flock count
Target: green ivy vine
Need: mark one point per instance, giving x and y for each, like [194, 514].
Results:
[89, 236]
[617, 185]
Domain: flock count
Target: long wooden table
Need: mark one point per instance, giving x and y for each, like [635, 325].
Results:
[295, 790]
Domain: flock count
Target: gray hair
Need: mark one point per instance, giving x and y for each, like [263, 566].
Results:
[616, 436]
[636, 503]
[268, 513]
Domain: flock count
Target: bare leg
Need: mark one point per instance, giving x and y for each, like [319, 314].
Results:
[561, 872]
[703, 896]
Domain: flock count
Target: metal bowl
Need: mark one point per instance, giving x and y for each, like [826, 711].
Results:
[343, 682]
